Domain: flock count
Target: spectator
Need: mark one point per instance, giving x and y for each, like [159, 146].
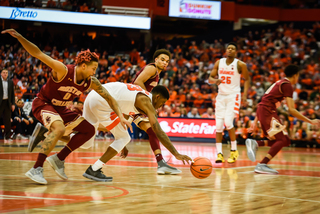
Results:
[193, 113]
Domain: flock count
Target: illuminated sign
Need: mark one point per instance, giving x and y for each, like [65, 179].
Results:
[195, 9]
[187, 127]
[104, 20]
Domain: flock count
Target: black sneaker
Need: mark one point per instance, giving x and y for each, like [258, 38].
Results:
[37, 136]
[96, 175]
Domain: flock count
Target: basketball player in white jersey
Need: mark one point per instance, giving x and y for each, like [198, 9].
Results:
[229, 72]
[132, 100]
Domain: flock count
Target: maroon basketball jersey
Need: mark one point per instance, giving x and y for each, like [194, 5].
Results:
[276, 93]
[61, 93]
[150, 83]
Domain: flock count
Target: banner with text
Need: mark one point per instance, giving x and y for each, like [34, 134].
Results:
[56, 16]
[188, 127]
[195, 9]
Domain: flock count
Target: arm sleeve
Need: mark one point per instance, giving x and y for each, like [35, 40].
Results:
[287, 90]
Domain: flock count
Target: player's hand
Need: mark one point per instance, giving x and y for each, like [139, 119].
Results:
[125, 123]
[244, 99]
[183, 158]
[253, 127]
[124, 152]
[12, 32]
[315, 122]
[218, 81]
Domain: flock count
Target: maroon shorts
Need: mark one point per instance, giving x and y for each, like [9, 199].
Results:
[47, 113]
[269, 121]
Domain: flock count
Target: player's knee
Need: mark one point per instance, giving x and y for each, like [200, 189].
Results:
[229, 126]
[120, 143]
[219, 125]
[86, 128]
[286, 140]
[58, 129]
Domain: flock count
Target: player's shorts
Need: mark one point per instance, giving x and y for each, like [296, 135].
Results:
[227, 105]
[105, 117]
[270, 122]
[47, 113]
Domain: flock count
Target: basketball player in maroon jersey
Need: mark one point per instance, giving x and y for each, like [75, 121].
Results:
[147, 78]
[49, 106]
[270, 122]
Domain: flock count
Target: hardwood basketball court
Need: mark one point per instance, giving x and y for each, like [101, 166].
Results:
[136, 188]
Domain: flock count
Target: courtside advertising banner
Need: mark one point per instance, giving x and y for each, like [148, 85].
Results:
[56, 16]
[189, 128]
[195, 9]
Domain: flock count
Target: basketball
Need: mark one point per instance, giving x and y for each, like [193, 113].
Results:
[201, 167]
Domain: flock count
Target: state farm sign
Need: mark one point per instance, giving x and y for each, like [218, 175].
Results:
[186, 127]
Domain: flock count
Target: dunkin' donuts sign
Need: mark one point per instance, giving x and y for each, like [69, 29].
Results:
[186, 127]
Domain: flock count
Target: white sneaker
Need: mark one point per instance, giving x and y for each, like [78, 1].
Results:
[265, 169]
[21, 137]
[57, 165]
[36, 175]
[252, 147]
[164, 168]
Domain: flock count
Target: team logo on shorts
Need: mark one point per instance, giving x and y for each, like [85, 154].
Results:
[48, 119]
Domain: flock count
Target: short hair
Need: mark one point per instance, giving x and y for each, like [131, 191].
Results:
[291, 70]
[234, 44]
[162, 90]
[161, 51]
[86, 57]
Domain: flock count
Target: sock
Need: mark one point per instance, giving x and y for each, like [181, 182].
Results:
[275, 148]
[64, 153]
[97, 165]
[85, 132]
[154, 143]
[159, 157]
[233, 145]
[219, 148]
[41, 158]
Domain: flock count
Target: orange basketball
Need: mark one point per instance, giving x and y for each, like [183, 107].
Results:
[201, 167]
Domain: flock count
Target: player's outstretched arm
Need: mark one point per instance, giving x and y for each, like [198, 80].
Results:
[59, 69]
[214, 73]
[148, 72]
[145, 105]
[298, 115]
[96, 85]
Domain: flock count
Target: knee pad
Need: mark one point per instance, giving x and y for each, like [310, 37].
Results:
[88, 144]
[286, 140]
[120, 143]
[229, 121]
[219, 125]
[121, 136]
[229, 125]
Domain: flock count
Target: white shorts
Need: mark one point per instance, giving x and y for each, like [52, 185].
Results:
[107, 119]
[227, 105]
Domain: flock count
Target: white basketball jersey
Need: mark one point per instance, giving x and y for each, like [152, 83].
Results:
[124, 94]
[230, 77]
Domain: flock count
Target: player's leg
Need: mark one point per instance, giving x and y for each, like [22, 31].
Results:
[84, 132]
[122, 138]
[57, 129]
[220, 115]
[163, 167]
[273, 129]
[233, 106]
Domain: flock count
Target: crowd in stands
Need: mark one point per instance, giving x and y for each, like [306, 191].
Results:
[91, 5]
[67, 5]
[265, 52]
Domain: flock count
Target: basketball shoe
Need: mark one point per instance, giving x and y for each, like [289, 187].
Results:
[234, 154]
[96, 175]
[252, 147]
[57, 165]
[265, 169]
[37, 136]
[164, 168]
[36, 175]
[220, 158]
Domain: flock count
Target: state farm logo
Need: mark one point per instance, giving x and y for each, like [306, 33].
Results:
[188, 128]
